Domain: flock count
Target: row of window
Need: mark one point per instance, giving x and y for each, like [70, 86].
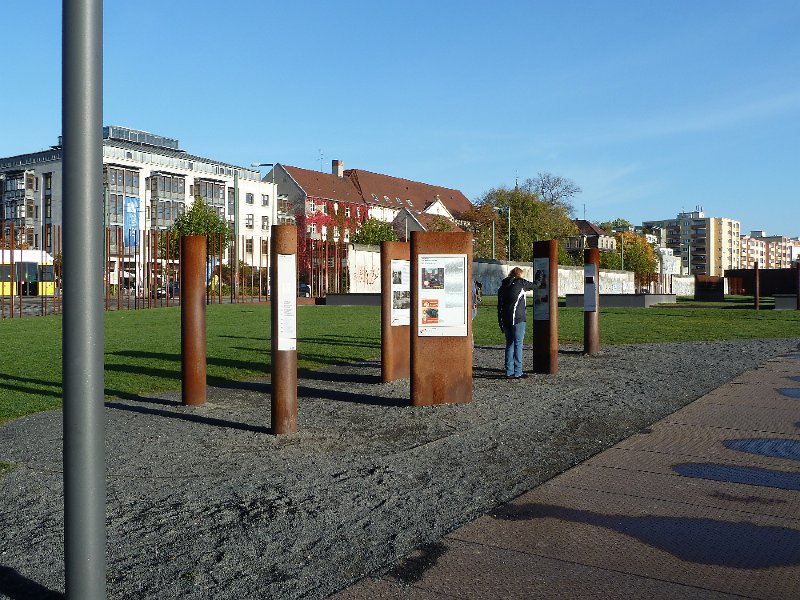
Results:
[122, 178]
[249, 221]
[313, 205]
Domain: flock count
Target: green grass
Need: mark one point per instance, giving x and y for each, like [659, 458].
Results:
[142, 348]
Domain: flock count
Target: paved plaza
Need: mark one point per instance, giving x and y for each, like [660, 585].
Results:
[704, 504]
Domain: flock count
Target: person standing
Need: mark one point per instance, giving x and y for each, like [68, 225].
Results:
[511, 314]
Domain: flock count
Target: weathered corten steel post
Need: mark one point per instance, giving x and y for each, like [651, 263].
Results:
[545, 313]
[441, 364]
[283, 290]
[193, 319]
[395, 337]
[591, 306]
[757, 276]
[797, 287]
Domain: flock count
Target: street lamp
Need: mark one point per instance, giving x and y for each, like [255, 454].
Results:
[499, 209]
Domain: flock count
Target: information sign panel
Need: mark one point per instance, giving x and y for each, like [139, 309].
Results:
[442, 300]
[287, 302]
[401, 293]
[590, 287]
[541, 293]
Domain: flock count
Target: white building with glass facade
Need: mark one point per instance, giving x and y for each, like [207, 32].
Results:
[148, 182]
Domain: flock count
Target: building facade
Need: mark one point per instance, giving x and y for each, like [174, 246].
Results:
[148, 182]
[705, 245]
[776, 251]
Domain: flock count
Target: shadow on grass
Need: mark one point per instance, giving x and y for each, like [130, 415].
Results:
[24, 385]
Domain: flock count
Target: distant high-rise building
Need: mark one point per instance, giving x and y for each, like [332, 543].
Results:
[706, 245]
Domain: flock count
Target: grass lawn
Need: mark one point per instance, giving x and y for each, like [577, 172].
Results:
[142, 348]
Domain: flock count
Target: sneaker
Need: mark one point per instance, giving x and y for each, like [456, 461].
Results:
[523, 376]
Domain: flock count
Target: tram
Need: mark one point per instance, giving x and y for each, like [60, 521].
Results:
[26, 273]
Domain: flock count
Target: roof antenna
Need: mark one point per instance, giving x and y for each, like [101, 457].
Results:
[321, 159]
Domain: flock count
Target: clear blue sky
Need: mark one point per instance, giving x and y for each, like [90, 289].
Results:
[650, 107]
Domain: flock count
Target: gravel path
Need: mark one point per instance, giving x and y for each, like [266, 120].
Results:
[204, 503]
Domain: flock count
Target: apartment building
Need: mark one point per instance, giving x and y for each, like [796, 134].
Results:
[778, 250]
[706, 245]
[148, 182]
[754, 250]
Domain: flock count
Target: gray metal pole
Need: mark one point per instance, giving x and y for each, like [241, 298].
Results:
[82, 346]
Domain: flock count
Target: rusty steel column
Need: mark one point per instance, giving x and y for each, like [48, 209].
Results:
[441, 361]
[193, 319]
[545, 314]
[395, 340]
[757, 291]
[591, 306]
[283, 300]
[797, 287]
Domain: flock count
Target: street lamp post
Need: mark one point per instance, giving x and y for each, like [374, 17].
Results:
[508, 211]
[621, 231]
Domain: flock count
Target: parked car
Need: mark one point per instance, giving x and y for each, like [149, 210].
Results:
[173, 288]
[304, 290]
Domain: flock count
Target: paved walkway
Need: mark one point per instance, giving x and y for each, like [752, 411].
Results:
[705, 504]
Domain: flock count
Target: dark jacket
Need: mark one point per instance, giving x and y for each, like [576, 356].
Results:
[511, 301]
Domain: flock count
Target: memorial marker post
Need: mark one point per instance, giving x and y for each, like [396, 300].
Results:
[757, 298]
[395, 310]
[441, 323]
[545, 307]
[591, 301]
[283, 289]
[193, 319]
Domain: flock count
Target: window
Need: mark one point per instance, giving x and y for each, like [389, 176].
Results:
[312, 206]
[313, 228]
[347, 212]
[249, 198]
[264, 246]
[48, 207]
[264, 199]
[248, 245]
[248, 221]
[264, 222]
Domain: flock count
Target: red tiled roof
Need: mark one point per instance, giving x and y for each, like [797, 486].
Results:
[588, 228]
[385, 190]
[325, 185]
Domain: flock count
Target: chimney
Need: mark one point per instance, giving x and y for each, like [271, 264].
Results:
[337, 167]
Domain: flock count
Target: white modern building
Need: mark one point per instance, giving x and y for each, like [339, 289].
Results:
[148, 182]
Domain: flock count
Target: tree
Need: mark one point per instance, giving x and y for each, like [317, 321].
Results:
[618, 223]
[200, 219]
[638, 256]
[553, 189]
[372, 232]
[532, 219]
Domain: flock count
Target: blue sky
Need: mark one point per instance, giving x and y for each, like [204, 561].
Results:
[650, 107]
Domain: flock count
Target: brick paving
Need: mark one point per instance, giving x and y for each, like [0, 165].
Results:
[704, 504]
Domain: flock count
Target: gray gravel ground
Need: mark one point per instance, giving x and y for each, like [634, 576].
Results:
[204, 503]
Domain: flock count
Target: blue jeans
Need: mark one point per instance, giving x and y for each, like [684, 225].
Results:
[514, 338]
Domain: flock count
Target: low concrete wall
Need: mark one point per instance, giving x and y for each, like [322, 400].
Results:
[623, 300]
[785, 301]
[570, 279]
